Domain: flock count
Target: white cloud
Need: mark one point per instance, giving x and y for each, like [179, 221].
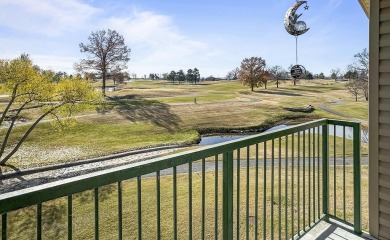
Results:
[157, 44]
[50, 31]
[48, 17]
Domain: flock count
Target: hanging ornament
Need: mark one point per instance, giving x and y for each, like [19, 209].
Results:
[296, 28]
[291, 23]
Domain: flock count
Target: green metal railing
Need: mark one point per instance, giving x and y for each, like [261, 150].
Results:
[274, 186]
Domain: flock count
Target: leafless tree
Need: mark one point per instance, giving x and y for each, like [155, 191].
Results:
[232, 75]
[252, 72]
[277, 73]
[106, 51]
[335, 73]
[354, 87]
[361, 66]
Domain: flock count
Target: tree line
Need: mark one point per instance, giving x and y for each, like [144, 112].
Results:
[192, 76]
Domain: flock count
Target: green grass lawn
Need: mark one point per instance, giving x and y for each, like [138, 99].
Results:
[357, 110]
[146, 113]
[22, 223]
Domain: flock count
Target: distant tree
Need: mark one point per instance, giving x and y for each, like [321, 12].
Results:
[106, 51]
[252, 72]
[164, 76]
[309, 76]
[30, 88]
[60, 75]
[321, 76]
[151, 76]
[232, 75]
[335, 73]
[181, 77]
[89, 76]
[351, 74]
[196, 75]
[171, 76]
[210, 78]
[190, 77]
[277, 73]
[354, 87]
[118, 76]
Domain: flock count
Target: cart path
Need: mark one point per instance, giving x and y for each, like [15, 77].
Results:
[326, 108]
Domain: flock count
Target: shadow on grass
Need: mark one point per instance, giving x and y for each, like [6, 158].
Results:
[53, 218]
[279, 93]
[142, 110]
[298, 88]
[124, 97]
[15, 169]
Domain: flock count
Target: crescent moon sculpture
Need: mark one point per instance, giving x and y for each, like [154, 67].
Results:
[291, 23]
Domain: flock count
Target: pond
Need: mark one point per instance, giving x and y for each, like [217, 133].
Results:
[215, 139]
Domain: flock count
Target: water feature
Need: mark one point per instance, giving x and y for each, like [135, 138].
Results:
[215, 139]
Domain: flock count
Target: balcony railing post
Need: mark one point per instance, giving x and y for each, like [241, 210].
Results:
[325, 171]
[228, 195]
[356, 179]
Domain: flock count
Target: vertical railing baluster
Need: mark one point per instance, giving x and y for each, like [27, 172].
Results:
[292, 186]
[318, 173]
[272, 186]
[357, 179]
[309, 177]
[304, 178]
[4, 226]
[334, 171]
[299, 183]
[265, 193]
[203, 197]
[256, 190]
[39, 221]
[227, 196]
[158, 197]
[344, 173]
[247, 192]
[286, 190]
[314, 175]
[238, 194]
[325, 171]
[174, 203]
[96, 194]
[280, 188]
[190, 200]
[70, 217]
[216, 204]
[139, 204]
[120, 210]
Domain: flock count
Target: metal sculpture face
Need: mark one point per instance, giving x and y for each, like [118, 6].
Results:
[291, 23]
[298, 71]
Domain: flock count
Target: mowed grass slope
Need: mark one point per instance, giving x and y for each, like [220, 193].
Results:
[148, 113]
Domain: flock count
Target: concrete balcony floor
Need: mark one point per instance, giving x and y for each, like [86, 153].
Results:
[333, 231]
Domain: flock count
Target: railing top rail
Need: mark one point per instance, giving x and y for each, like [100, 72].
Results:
[343, 123]
[46, 192]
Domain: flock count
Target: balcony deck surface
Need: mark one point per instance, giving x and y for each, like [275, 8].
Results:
[332, 231]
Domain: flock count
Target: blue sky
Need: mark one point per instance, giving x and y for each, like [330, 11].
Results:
[165, 35]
